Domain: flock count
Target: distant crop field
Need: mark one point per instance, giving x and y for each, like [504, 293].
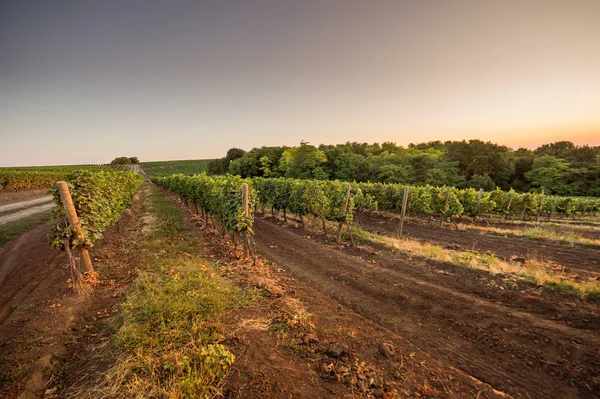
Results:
[60, 168]
[34, 177]
[166, 168]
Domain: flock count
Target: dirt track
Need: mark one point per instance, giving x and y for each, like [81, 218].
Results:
[501, 332]
[572, 257]
[24, 204]
[26, 212]
[11, 197]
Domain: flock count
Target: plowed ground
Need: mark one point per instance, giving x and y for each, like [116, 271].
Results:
[575, 258]
[519, 338]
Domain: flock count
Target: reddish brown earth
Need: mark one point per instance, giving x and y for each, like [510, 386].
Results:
[576, 257]
[325, 349]
[513, 335]
[40, 315]
[332, 321]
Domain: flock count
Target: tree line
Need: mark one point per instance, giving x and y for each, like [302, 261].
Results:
[560, 168]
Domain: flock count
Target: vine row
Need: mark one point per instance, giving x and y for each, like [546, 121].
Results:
[99, 199]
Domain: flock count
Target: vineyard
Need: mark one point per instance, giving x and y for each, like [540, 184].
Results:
[450, 202]
[322, 198]
[27, 178]
[99, 200]
[461, 297]
[505, 264]
[167, 168]
[325, 199]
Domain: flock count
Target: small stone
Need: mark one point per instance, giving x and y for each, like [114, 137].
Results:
[387, 350]
[336, 351]
[375, 382]
[310, 338]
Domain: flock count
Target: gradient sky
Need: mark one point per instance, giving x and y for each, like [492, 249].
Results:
[86, 81]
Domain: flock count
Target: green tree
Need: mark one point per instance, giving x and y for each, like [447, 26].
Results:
[559, 149]
[300, 162]
[347, 166]
[482, 181]
[391, 173]
[246, 166]
[548, 174]
[217, 166]
[121, 161]
[234, 153]
[476, 157]
[265, 166]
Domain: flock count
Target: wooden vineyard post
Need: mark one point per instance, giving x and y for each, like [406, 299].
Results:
[510, 199]
[67, 201]
[403, 212]
[477, 206]
[537, 214]
[445, 205]
[245, 207]
[344, 208]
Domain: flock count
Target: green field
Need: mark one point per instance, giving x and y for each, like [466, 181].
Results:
[166, 168]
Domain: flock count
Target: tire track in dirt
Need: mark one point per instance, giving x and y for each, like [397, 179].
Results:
[24, 213]
[513, 293]
[575, 257]
[492, 343]
[24, 204]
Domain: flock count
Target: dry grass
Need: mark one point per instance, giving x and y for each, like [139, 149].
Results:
[542, 273]
[538, 232]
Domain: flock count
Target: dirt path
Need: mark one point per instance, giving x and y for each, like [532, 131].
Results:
[25, 204]
[520, 351]
[572, 257]
[11, 197]
[24, 213]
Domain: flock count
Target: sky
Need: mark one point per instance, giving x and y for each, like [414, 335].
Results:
[85, 81]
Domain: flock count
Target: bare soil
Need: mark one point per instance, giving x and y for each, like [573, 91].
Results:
[575, 258]
[299, 341]
[331, 321]
[41, 317]
[510, 334]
